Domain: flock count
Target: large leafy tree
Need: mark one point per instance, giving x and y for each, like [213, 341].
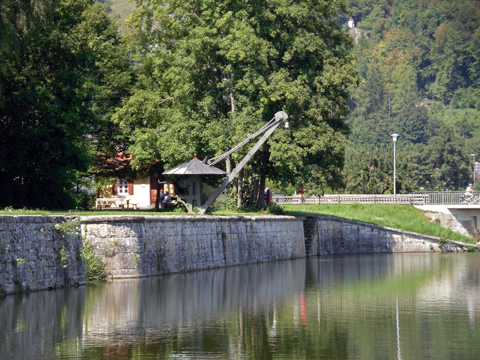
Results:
[51, 75]
[214, 71]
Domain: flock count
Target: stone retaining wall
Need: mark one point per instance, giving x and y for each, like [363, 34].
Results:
[138, 246]
[331, 235]
[34, 255]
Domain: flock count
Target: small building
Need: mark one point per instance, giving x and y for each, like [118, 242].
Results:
[187, 179]
[351, 23]
[184, 180]
[140, 189]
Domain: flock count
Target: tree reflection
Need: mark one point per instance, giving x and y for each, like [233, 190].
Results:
[328, 307]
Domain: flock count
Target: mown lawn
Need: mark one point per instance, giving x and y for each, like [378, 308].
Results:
[403, 217]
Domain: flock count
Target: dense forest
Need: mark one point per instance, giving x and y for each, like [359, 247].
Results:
[79, 84]
[419, 63]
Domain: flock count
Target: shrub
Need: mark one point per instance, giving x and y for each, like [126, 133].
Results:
[94, 265]
[275, 209]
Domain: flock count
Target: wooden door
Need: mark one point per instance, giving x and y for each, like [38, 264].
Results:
[153, 189]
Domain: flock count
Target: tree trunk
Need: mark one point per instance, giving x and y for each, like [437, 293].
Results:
[261, 191]
[240, 188]
[254, 191]
[157, 199]
[228, 164]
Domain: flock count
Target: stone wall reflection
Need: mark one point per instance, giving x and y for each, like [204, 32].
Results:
[32, 326]
[338, 306]
[162, 305]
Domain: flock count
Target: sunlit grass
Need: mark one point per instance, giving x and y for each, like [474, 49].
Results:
[122, 213]
[403, 217]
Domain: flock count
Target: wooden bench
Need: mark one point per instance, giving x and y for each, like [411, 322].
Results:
[120, 202]
[105, 203]
[128, 204]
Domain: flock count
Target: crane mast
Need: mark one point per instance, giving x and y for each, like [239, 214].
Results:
[268, 129]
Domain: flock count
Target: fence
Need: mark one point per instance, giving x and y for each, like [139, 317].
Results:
[448, 198]
[416, 198]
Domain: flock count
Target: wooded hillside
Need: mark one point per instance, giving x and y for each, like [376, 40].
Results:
[420, 67]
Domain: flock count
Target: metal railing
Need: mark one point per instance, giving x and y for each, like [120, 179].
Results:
[349, 199]
[416, 198]
[448, 198]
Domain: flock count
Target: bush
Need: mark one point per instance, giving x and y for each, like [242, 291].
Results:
[275, 209]
[94, 266]
[230, 203]
[84, 201]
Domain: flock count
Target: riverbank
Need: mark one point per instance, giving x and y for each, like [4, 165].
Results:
[401, 217]
[37, 253]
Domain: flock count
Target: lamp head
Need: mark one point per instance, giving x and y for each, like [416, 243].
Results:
[394, 137]
[287, 125]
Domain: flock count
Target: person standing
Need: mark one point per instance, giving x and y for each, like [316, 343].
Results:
[162, 197]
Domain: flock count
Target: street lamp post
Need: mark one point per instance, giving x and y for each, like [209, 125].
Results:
[394, 138]
[473, 169]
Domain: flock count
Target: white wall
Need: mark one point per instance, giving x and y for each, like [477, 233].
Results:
[141, 192]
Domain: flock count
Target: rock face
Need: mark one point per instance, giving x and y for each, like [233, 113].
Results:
[34, 255]
[138, 246]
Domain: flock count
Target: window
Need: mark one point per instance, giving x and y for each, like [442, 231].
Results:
[194, 188]
[122, 187]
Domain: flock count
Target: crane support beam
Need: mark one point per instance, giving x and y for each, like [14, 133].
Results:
[280, 118]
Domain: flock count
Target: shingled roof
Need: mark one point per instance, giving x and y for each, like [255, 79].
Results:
[194, 167]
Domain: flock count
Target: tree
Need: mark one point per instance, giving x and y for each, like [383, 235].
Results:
[50, 54]
[444, 163]
[371, 171]
[213, 72]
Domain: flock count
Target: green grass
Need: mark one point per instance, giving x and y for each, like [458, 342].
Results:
[83, 212]
[403, 217]
[119, 212]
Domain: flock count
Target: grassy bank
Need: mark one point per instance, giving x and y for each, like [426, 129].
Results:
[120, 212]
[403, 217]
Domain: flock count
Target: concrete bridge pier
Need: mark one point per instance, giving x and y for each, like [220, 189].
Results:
[464, 219]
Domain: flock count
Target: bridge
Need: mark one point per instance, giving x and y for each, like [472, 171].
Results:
[449, 208]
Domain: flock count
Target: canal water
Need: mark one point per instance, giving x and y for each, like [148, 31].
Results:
[382, 306]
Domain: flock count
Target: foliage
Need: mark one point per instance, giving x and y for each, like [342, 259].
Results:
[275, 209]
[62, 257]
[227, 203]
[94, 266]
[58, 65]
[419, 66]
[444, 163]
[212, 72]
[71, 226]
[371, 171]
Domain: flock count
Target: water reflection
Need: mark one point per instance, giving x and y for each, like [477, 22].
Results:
[161, 306]
[363, 306]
